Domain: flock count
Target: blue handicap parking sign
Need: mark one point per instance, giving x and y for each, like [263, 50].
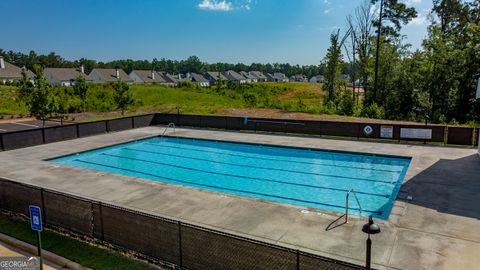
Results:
[35, 218]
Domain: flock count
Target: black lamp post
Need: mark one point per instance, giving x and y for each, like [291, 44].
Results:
[427, 117]
[370, 228]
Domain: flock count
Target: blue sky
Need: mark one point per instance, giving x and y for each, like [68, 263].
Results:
[293, 31]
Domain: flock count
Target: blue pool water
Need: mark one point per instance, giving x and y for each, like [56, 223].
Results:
[311, 178]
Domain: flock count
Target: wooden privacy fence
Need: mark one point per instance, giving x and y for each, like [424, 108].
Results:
[392, 132]
[157, 238]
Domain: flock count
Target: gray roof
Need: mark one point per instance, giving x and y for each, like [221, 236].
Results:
[233, 76]
[169, 78]
[258, 75]
[146, 76]
[215, 75]
[279, 75]
[270, 76]
[13, 72]
[198, 78]
[64, 74]
[318, 77]
[248, 75]
[109, 75]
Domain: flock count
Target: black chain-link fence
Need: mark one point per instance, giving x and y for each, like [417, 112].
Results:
[173, 242]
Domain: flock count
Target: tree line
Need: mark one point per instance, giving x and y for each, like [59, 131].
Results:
[437, 82]
[191, 64]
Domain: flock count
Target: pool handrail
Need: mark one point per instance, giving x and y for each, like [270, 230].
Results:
[170, 125]
[346, 203]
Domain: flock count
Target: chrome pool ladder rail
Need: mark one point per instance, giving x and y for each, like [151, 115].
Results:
[346, 203]
[170, 125]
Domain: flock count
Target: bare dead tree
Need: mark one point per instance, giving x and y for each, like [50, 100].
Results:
[361, 24]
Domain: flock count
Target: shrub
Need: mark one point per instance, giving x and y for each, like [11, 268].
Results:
[373, 111]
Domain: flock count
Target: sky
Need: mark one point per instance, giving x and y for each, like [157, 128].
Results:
[232, 31]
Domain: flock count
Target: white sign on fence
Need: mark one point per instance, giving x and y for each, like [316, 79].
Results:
[416, 133]
[478, 89]
[386, 132]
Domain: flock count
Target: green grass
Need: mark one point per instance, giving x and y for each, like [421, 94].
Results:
[190, 100]
[70, 248]
[8, 101]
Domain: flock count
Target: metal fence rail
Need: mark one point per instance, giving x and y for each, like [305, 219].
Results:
[161, 239]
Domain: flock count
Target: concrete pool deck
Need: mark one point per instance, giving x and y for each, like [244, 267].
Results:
[433, 225]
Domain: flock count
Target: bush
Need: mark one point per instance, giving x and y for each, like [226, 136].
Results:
[346, 104]
[250, 99]
[187, 84]
[373, 111]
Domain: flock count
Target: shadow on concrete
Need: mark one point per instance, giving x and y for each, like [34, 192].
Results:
[448, 186]
[336, 223]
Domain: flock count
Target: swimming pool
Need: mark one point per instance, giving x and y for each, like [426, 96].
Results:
[304, 177]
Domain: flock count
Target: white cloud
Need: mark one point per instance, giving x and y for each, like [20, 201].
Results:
[216, 5]
[411, 2]
[225, 5]
[419, 20]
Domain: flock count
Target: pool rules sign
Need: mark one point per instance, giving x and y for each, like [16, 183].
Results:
[478, 90]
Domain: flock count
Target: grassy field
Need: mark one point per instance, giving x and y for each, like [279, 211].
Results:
[190, 99]
[270, 100]
[9, 103]
[75, 250]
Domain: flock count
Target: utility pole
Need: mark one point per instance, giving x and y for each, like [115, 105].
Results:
[379, 33]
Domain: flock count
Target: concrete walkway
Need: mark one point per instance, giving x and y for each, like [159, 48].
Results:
[434, 223]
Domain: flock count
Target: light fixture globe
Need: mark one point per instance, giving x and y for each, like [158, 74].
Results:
[370, 227]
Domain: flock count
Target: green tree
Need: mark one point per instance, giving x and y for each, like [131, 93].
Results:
[394, 13]
[39, 96]
[333, 66]
[24, 87]
[346, 104]
[453, 51]
[122, 96]
[81, 90]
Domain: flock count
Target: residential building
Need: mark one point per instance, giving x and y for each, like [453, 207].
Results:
[199, 79]
[171, 80]
[11, 73]
[259, 76]
[214, 76]
[270, 77]
[233, 76]
[147, 76]
[108, 75]
[64, 76]
[299, 78]
[280, 77]
[250, 78]
[317, 79]
[183, 77]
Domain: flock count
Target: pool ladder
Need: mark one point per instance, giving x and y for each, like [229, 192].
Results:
[171, 125]
[346, 203]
